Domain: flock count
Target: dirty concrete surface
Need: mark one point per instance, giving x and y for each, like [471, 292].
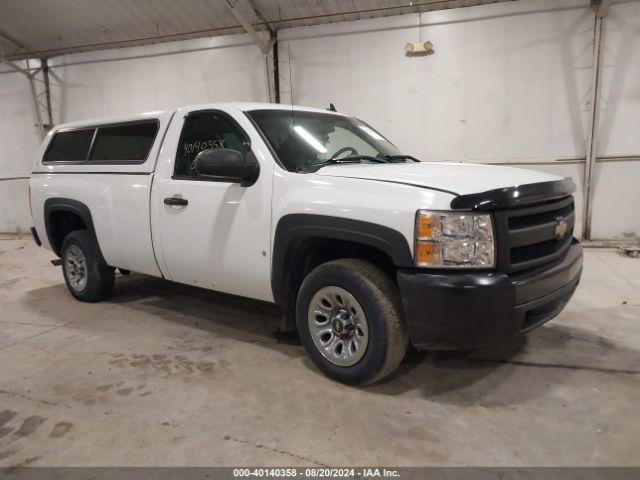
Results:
[165, 374]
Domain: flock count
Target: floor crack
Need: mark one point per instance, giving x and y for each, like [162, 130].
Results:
[556, 365]
[275, 450]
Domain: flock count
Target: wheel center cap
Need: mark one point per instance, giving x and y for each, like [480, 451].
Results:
[342, 323]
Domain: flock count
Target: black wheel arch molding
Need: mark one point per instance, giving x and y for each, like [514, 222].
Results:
[57, 204]
[298, 225]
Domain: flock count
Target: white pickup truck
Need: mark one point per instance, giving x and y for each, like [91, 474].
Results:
[364, 247]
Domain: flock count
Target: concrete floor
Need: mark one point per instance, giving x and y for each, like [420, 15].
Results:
[164, 374]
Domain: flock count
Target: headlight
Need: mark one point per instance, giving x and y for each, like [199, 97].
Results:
[454, 240]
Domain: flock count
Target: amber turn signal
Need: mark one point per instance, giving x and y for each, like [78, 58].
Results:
[425, 253]
[425, 226]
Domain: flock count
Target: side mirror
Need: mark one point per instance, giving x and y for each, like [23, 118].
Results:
[227, 165]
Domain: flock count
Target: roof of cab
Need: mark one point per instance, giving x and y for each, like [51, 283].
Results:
[243, 106]
[249, 106]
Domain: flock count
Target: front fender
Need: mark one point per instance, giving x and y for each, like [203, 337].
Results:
[296, 226]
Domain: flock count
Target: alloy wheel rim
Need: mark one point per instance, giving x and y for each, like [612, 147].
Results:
[75, 266]
[338, 326]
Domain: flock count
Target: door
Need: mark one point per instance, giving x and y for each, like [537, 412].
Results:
[212, 233]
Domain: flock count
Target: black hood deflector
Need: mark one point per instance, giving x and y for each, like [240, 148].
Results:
[517, 196]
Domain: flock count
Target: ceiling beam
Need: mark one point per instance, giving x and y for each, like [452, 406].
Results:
[261, 16]
[265, 46]
[13, 66]
[20, 45]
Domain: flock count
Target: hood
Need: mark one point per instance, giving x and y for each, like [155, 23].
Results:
[455, 178]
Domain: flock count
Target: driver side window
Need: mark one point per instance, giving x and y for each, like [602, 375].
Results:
[203, 130]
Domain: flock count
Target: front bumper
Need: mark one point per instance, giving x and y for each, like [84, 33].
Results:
[469, 310]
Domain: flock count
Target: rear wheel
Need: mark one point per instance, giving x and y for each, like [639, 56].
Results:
[88, 278]
[349, 318]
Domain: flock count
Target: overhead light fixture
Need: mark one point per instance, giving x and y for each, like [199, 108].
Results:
[419, 49]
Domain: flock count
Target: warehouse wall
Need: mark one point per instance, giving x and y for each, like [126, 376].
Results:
[19, 143]
[119, 82]
[508, 83]
[158, 77]
[617, 171]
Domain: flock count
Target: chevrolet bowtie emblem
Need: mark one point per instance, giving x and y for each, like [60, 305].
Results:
[561, 228]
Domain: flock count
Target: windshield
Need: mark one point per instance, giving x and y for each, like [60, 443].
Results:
[302, 139]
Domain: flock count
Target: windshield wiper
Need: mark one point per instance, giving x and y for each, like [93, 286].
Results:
[314, 167]
[356, 159]
[398, 158]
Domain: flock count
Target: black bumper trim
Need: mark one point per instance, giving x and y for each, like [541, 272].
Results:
[541, 310]
[36, 238]
[468, 310]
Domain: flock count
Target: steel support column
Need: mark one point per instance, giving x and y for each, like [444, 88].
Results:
[592, 133]
[31, 76]
[265, 46]
[47, 91]
[36, 102]
[276, 68]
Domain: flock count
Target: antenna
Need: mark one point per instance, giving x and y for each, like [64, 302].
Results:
[293, 115]
[290, 81]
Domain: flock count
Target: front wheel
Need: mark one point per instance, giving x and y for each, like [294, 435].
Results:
[350, 321]
[88, 278]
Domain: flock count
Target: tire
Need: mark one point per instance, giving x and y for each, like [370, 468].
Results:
[87, 277]
[370, 292]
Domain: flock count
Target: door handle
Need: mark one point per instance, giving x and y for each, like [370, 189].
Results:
[176, 201]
